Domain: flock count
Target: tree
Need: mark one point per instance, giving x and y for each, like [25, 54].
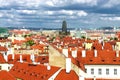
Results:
[115, 38]
[83, 37]
[30, 43]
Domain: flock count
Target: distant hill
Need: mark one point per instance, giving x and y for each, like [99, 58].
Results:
[38, 28]
[3, 30]
[105, 28]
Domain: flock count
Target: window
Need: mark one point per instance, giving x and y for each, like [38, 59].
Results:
[107, 71]
[86, 70]
[115, 71]
[0, 67]
[99, 71]
[8, 68]
[92, 71]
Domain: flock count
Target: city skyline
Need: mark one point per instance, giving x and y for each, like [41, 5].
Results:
[51, 13]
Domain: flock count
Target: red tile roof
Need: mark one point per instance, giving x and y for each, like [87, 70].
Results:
[107, 46]
[19, 41]
[25, 58]
[3, 48]
[39, 46]
[2, 60]
[20, 31]
[103, 57]
[97, 46]
[4, 75]
[67, 76]
[5, 40]
[28, 71]
[42, 59]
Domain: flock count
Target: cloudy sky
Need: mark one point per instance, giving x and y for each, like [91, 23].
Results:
[51, 13]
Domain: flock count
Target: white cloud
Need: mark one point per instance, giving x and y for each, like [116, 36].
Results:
[89, 2]
[4, 2]
[81, 13]
[68, 12]
[49, 3]
[64, 12]
[27, 11]
[1, 15]
[110, 18]
[111, 3]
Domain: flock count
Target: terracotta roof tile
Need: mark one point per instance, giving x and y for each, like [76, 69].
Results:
[103, 57]
[3, 48]
[42, 59]
[2, 60]
[4, 75]
[67, 76]
[28, 71]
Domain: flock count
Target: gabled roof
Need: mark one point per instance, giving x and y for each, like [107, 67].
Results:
[67, 76]
[3, 48]
[25, 58]
[107, 46]
[103, 57]
[5, 40]
[42, 59]
[15, 31]
[2, 60]
[4, 75]
[28, 71]
[19, 41]
[39, 47]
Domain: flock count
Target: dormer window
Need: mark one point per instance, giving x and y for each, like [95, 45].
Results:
[91, 60]
[103, 60]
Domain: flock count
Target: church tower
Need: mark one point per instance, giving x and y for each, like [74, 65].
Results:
[64, 27]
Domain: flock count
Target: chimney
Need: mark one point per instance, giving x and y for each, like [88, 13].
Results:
[12, 50]
[68, 65]
[48, 67]
[74, 53]
[32, 57]
[13, 56]
[113, 47]
[21, 58]
[117, 53]
[70, 49]
[95, 53]
[81, 78]
[65, 52]
[102, 47]
[83, 53]
[94, 78]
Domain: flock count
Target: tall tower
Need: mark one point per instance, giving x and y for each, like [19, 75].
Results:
[64, 27]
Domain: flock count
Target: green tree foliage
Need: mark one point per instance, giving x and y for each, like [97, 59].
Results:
[3, 30]
[115, 38]
[30, 43]
[83, 37]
